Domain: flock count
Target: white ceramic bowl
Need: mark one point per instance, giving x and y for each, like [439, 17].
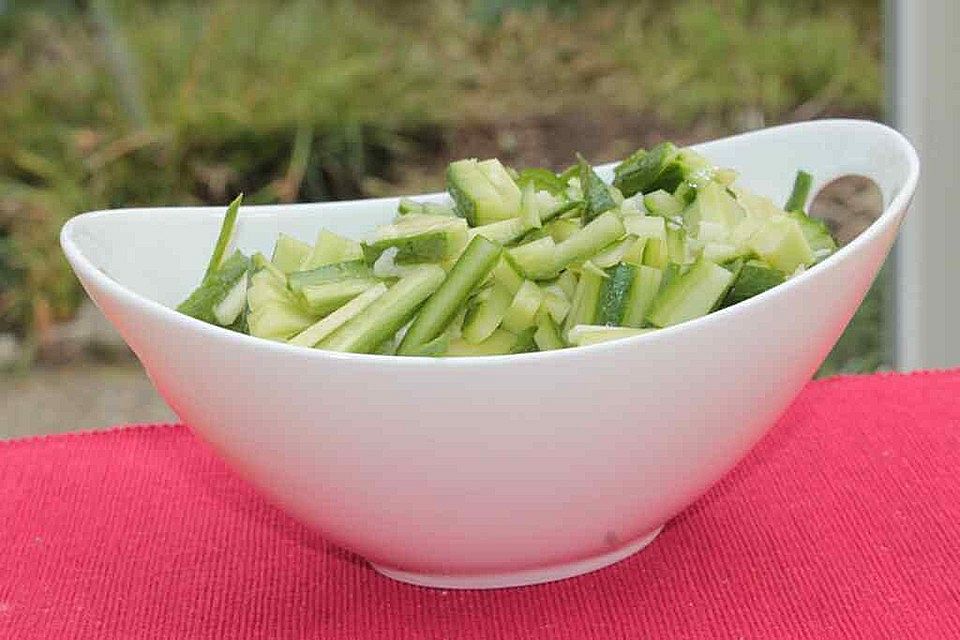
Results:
[495, 471]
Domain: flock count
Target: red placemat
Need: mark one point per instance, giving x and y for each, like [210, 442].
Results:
[843, 523]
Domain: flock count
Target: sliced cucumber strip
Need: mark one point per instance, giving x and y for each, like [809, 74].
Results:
[646, 227]
[525, 342]
[289, 253]
[386, 314]
[570, 208]
[612, 304]
[225, 238]
[321, 299]
[483, 191]
[407, 206]
[215, 289]
[329, 273]
[690, 295]
[585, 334]
[433, 349]
[536, 260]
[589, 266]
[229, 309]
[596, 194]
[568, 283]
[655, 253]
[486, 313]
[556, 302]
[530, 207]
[817, 234]
[653, 230]
[501, 342]
[274, 312]
[801, 190]
[677, 245]
[781, 243]
[324, 327]
[522, 312]
[713, 204]
[635, 251]
[503, 232]
[506, 275]
[660, 203]
[418, 238]
[601, 232]
[614, 253]
[754, 278]
[583, 309]
[471, 269]
[278, 321]
[547, 335]
[331, 248]
[541, 180]
[721, 252]
[647, 171]
[562, 229]
[646, 283]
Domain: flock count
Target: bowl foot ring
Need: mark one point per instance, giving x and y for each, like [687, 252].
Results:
[520, 578]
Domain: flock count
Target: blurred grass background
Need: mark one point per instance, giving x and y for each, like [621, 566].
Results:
[107, 103]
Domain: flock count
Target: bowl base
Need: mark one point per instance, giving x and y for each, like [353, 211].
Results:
[519, 578]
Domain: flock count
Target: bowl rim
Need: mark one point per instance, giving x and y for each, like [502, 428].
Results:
[86, 270]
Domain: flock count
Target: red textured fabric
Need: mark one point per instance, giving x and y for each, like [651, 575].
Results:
[844, 522]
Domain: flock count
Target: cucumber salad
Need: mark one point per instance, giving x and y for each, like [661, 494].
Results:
[519, 261]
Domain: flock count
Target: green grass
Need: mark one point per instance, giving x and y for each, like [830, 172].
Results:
[191, 102]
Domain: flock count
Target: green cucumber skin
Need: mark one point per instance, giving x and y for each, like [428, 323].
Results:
[596, 196]
[387, 314]
[525, 342]
[542, 180]
[753, 279]
[329, 273]
[690, 295]
[647, 171]
[493, 191]
[227, 231]
[646, 283]
[427, 247]
[800, 192]
[324, 327]
[463, 204]
[433, 349]
[817, 234]
[474, 265]
[612, 304]
[214, 288]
